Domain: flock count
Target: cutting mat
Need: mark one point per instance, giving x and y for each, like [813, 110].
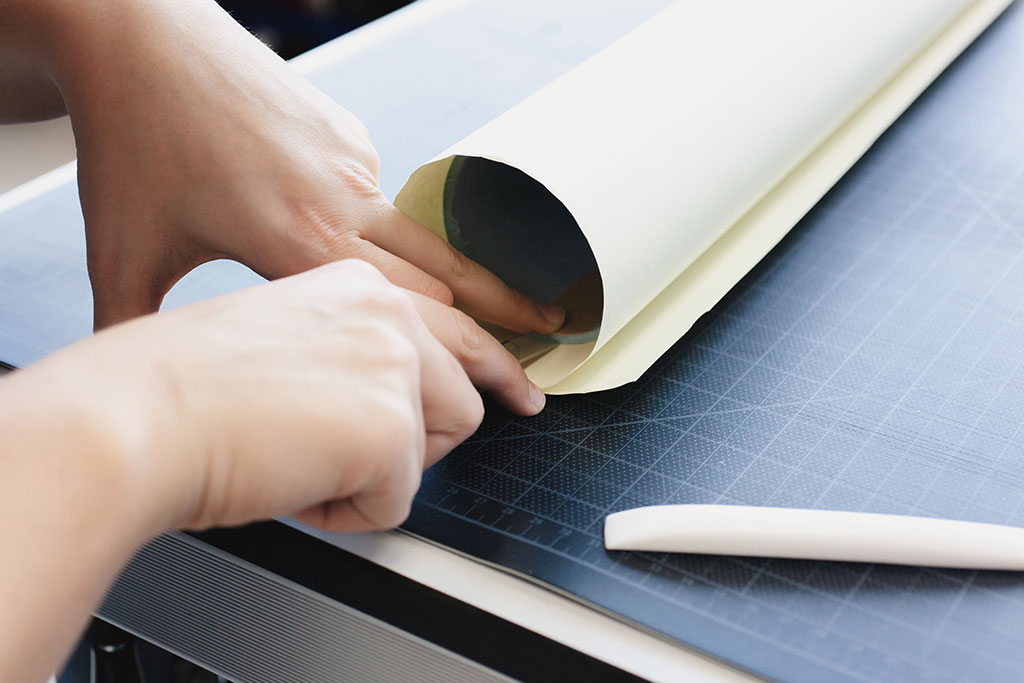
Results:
[872, 362]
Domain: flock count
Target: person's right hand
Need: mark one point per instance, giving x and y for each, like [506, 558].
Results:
[323, 395]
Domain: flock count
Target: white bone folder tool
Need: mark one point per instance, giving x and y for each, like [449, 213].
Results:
[816, 535]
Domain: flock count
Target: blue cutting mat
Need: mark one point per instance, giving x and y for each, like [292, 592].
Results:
[872, 362]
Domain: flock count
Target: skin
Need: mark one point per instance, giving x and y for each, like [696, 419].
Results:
[217, 414]
[323, 394]
[161, 141]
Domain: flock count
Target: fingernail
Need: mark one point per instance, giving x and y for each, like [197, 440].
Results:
[554, 315]
[537, 397]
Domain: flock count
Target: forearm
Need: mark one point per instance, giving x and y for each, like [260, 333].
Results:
[29, 91]
[29, 94]
[59, 54]
[73, 504]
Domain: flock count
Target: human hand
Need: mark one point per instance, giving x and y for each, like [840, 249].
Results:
[196, 142]
[323, 395]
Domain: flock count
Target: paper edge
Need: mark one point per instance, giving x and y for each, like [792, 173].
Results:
[750, 239]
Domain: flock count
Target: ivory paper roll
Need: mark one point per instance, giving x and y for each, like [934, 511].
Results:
[688, 148]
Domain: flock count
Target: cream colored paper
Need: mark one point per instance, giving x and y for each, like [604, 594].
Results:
[687, 149]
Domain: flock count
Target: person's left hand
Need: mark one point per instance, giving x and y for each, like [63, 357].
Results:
[196, 142]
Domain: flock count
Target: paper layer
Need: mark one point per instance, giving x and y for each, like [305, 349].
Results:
[687, 149]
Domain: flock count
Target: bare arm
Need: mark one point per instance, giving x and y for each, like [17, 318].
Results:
[323, 395]
[30, 93]
[70, 511]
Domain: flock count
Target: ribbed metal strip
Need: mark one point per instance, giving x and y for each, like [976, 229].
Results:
[251, 626]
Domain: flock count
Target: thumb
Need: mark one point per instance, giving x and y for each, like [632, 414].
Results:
[127, 285]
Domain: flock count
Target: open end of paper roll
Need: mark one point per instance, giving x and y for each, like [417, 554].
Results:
[512, 225]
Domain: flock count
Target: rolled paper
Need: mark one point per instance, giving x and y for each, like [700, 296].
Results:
[648, 180]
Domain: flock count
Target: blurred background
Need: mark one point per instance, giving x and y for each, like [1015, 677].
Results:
[291, 27]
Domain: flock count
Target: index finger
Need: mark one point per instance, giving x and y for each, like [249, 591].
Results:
[489, 366]
[477, 291]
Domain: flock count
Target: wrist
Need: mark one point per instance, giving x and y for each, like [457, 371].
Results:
[102, 54]
[53, 33]
[63, 475]
[85, 428]
[78, 498]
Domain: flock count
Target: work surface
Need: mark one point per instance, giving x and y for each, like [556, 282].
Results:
[872, 362]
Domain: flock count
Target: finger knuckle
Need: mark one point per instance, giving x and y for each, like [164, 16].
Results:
[395, 352]
[387, 302]
[521, 301]
[357, 268]
[383, 508]
[437, 290]
[399, 433]
[353, 272]
[399, 512]
[524, 309]
[472, 338]
[351, 128]
[459, 266]
[471, 416]
[371, 159]
[510, 372]
[316, 228]
[359, 179]
[404, 490]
